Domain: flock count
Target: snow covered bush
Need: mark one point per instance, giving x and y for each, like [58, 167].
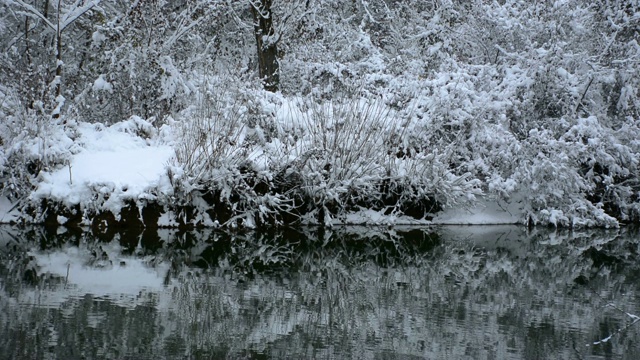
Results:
[210, 137]
[356, 153]
[343, 147]
[222, 157]
[30, 142]
[608, 160]
[264, 157]
[507, 110]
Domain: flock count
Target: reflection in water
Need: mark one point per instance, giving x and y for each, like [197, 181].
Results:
[447, 293]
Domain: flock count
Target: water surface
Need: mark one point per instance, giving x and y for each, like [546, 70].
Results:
[498, 292]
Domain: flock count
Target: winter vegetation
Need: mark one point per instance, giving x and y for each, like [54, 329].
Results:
[270, 112]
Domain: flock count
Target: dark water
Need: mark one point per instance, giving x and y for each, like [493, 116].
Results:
[354, 293]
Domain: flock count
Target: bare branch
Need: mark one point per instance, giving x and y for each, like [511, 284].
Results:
[73, 15]
[35, 13]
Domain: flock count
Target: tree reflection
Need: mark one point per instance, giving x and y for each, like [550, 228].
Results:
[316, 293]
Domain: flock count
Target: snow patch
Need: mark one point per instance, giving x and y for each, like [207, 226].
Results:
[112, 161]
[485, 212]
[98, 38]
[101, 84]
[373, 217]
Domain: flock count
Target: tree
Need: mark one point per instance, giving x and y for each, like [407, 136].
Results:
[146, 53]
[266, 42]
[64, 18]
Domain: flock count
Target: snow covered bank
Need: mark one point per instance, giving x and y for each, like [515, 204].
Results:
[217, 166]
[113, 163]
[132, 174]
[257, 159]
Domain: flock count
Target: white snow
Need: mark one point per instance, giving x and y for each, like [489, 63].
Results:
[112, 160]
[377, 218]
[98, 38]
[485, 212]
[102, 84]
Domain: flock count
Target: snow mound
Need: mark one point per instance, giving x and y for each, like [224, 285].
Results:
[116, 161]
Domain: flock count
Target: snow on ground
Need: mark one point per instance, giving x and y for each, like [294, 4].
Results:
[373, 217]
[485, 212]
[112, 160]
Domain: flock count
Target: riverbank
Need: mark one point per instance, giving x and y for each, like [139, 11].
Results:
[136, 174]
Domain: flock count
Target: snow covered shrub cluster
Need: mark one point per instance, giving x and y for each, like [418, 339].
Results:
[577, 160]
[265, 157]
[359, 155]
[534, 107]
[341, 150]
[223, 158]
[30, 142]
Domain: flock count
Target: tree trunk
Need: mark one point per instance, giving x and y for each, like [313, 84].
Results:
[58, 77]
[59, 63]
[267, 45]
[59, 54]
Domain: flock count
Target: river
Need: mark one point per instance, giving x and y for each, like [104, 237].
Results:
[476, 292]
